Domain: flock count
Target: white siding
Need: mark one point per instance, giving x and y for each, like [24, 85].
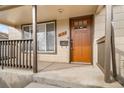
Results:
[118, 21]
[99, 31]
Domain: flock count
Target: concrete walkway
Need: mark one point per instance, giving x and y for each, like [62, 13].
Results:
[73, 76]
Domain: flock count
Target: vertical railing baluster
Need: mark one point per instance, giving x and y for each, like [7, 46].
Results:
[17, 53]
[11, 53]
[5, 53]
[20, 65]
[26, 53]
[14, 53]
[8, 54]
[0, 52]
[30, 54]
[23, 65]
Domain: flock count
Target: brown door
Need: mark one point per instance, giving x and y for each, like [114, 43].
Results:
[81, 39]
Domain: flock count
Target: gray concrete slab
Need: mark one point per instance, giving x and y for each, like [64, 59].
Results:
[56, 74]
[15, 78]
[38, 85]
[49, 66]
[81, 76]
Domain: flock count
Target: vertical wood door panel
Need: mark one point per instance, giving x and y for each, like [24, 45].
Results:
[81, 40]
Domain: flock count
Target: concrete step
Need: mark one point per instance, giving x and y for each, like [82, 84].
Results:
[15, 78]
[39, 85]
[60, 83]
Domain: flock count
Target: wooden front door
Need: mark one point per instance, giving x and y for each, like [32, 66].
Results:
[81, 39]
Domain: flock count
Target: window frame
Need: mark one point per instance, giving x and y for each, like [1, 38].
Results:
[55, 37]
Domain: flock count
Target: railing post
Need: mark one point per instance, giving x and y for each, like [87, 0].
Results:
[114, 67]
[34, 25]
[2, 55]
[108, 25]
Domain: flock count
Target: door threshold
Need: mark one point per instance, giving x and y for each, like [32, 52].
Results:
[82, 63]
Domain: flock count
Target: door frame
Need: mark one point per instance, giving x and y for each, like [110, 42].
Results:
[92, 35]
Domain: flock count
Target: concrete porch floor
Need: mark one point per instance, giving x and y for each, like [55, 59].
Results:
[50, 66]
[72, 75]
[51, 74]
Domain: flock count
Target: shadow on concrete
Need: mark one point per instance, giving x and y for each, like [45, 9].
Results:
[50, 66]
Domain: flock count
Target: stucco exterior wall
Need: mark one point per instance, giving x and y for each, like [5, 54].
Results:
[99, 31]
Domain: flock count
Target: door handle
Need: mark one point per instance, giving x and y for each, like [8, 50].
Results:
[71, 43]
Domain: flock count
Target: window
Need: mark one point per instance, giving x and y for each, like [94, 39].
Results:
[45, 36]
[27, 32]
[50, 37]
[80, 24]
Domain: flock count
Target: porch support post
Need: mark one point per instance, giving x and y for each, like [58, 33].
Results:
[108, 28]
[34, 27]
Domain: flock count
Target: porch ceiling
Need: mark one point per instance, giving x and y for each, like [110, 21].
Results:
[6, 7]
[23, 14]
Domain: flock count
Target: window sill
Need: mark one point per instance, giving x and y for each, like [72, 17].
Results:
[49, 52]
[39, 52]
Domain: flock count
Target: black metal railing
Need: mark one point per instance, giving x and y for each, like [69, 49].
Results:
[16, 53]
